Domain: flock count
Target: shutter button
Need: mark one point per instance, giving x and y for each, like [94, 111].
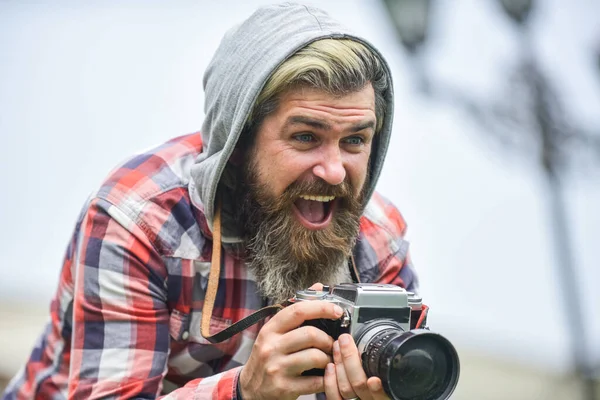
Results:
[185, 335]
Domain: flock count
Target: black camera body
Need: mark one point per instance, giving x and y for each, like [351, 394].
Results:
[388, 325]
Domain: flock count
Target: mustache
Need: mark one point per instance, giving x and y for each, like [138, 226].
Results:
[316, 187]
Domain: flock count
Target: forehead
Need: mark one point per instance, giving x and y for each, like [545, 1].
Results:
[365, 95]
[316, 102]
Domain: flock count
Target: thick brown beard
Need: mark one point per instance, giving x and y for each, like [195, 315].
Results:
[284, 256]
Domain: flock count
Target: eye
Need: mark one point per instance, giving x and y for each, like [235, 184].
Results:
[354, 140]
[304, 137]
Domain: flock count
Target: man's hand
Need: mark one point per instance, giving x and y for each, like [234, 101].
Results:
[282, 351]
[346, 379]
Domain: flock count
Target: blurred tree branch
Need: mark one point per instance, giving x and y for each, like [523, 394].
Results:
[529, 119]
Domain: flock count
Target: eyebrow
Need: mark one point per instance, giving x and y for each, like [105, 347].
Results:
[322, 125]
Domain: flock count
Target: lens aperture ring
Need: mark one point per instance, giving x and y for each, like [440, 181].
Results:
[375, 348]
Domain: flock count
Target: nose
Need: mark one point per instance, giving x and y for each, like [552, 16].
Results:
[331, 167]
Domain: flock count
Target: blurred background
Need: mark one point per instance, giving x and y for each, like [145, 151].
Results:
[495, 160]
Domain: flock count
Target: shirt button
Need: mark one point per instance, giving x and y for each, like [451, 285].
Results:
[185, 335]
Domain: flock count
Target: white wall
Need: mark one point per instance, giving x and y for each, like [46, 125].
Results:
[84, 85]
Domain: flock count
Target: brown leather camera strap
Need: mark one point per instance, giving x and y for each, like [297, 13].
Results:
[211, 294]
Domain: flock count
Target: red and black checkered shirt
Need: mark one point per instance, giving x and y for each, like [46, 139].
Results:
[125, 320]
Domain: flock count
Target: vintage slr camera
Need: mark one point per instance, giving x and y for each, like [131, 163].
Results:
[388, 327]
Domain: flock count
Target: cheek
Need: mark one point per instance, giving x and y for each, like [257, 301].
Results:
[278, 171]
[263, 173]
[357, 170]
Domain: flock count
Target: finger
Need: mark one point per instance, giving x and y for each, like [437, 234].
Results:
[304, 360]
[303, 338]
[317, 286]
[376, 388]
[330, 382]
[344, 386]
[306, 385]
[353, 366]
[293, 316]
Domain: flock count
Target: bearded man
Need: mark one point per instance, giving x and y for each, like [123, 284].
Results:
[274, 195]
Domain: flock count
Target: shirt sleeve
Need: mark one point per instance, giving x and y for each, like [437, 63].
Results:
[223, 386]
[400, 271]
[120, 342]
[397, 268]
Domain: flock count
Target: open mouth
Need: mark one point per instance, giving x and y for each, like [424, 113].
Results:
[315, 212]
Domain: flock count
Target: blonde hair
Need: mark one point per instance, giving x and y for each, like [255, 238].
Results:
[337, 66]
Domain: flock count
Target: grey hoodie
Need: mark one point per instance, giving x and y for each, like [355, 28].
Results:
[245, 59]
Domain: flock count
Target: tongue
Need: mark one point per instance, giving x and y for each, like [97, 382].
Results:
[313, 211]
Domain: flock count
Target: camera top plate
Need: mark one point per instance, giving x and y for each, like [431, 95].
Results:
[310, 294]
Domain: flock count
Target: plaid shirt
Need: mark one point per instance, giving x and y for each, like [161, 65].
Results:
[125, 320]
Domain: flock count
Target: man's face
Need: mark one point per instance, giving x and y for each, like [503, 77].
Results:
[316, 136]
[304, 181]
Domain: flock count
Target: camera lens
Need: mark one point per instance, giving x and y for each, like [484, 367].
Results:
[412, 373]
[414, 365]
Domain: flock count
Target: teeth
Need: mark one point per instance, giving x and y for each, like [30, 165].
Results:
[323, 199]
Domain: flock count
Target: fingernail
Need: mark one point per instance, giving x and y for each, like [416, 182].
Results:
[336, 346]
[343, 339]
[330, 368]
[337, 309]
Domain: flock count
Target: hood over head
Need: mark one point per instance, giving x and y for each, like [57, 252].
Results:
[245, 59]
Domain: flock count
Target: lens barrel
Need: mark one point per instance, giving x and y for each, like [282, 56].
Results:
[413, 365]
